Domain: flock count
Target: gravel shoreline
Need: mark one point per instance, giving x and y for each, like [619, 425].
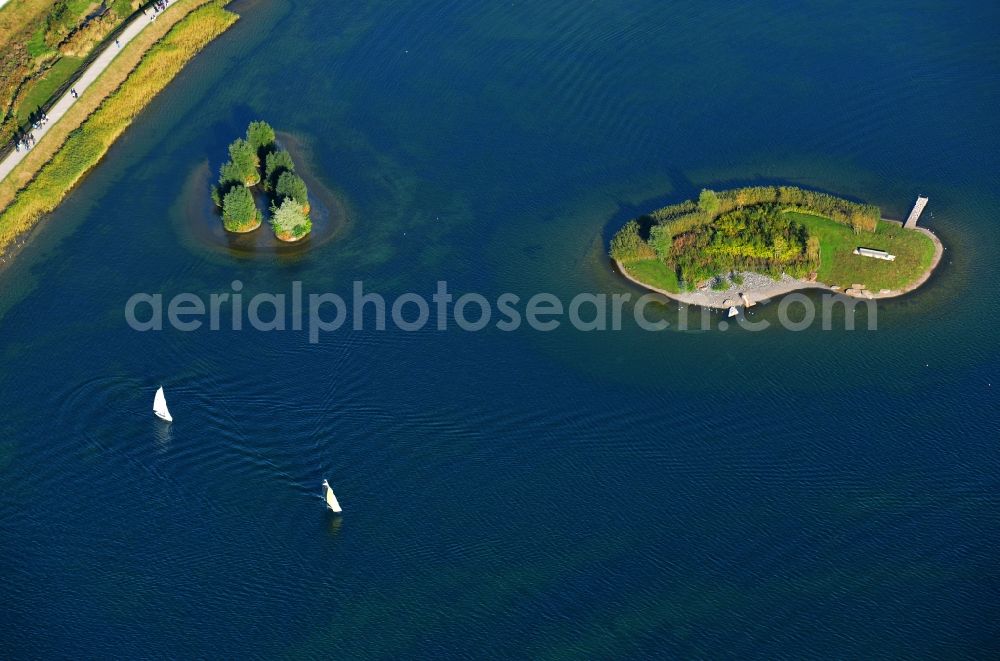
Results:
[757, 287]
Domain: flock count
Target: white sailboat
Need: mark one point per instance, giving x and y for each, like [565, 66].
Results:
[331, 500]
[733, 311]
[160, 406]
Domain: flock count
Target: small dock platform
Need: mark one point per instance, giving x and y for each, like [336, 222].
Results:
[918, 209]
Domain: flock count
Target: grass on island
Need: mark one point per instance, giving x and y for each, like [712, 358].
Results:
[85, 146]
[839, 265]
[655, 273]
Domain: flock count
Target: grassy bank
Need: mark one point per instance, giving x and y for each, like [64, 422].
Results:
[44, 42]
[85, 146]
[109, 81]
[840, 266]
[655, 273]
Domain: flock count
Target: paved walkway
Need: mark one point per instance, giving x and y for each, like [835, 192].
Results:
[95, 69]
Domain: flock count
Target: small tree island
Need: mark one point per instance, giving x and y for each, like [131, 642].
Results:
[729, 246]
[256, 161]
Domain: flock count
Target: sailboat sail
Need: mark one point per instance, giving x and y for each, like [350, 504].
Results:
[160, 406]
[331, 500]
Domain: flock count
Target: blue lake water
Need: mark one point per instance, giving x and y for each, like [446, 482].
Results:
[618, 494]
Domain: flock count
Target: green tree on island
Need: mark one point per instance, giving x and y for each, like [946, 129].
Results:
[276, 163]
[230, 175]
[708, 201]
[239, 211]
[758, 239]
[291, 187]
[628, 246]
[244, 165]
[261, 137]
[289, 221]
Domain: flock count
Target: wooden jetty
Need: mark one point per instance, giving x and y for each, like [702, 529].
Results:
[918, 209]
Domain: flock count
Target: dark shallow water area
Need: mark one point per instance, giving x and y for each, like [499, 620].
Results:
[770, 494]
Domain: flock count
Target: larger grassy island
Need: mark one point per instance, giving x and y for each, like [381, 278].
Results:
[738, 246]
